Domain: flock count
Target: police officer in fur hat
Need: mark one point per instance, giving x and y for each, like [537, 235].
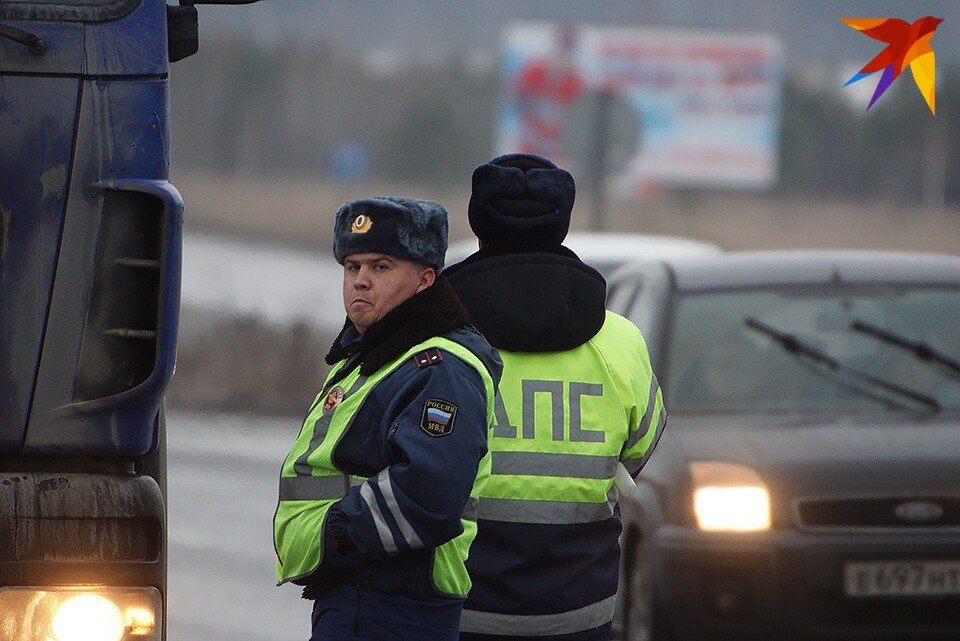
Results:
[378, 494]
[577, 402]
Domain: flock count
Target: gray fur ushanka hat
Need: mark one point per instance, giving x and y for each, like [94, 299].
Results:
[403, 227]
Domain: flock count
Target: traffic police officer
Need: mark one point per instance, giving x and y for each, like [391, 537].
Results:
[378, 494]
[577, 400]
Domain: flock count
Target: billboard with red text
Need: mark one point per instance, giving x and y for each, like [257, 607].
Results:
[666, 107]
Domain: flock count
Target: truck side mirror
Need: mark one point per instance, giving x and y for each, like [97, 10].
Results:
[183, 31]
[183, 27]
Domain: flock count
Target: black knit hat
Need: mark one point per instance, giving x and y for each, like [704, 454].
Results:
[521, 200]
[403, 227]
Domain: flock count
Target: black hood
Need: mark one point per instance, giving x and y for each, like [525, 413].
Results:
[532, 301]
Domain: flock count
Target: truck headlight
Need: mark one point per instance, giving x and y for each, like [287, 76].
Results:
[80, 614]
[87, 617]
[729, 498]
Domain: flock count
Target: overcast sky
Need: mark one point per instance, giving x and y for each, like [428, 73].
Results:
[431, 30]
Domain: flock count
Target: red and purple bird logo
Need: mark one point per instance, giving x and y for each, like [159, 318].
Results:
[907, 44]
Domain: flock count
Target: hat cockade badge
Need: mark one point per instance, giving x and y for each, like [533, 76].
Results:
[361, 224]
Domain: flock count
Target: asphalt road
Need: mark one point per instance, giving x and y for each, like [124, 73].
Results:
[222, 493]
[222, 487]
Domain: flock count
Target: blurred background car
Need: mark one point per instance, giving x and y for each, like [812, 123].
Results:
[806, 485]
[605, 252]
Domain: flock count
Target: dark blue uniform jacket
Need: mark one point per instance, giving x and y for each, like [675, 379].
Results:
[383, 537]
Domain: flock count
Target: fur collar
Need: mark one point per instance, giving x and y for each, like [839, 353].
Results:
[433, 312]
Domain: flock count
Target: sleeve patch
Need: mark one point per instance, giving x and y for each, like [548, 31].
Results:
[428, 358]
[438, 417]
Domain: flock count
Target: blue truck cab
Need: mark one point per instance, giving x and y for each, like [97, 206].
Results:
[90, 243]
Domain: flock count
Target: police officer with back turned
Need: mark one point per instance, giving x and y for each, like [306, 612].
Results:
[577, 400]
[378, 495]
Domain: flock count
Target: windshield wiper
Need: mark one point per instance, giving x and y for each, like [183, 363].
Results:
[36, 44]
[795, 346]
[919, 349]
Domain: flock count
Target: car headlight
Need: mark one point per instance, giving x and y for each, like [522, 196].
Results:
[729, 498]
[80, 614]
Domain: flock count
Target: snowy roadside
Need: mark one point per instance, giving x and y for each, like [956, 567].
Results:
[256, 322]
[280, 285]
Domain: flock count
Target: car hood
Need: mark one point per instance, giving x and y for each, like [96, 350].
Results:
[830, 456]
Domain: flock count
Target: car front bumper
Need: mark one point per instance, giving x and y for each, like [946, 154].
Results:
[790, 585]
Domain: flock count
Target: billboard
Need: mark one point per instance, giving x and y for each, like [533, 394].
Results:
[661, 107]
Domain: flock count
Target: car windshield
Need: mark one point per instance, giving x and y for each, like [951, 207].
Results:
[717, 362]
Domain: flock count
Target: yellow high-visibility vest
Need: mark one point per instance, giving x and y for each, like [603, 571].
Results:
[310, 481]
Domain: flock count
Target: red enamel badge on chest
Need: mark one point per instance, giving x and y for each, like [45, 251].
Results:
[333, 398]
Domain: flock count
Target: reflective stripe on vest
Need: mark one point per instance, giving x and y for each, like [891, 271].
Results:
[647, 416]
[313, 488]
[310, 482]
[320, 488]
[582, 466]
[530, 625]
[547, 512]
[647, 424]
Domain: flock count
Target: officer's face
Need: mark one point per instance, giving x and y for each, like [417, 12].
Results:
[373, 284]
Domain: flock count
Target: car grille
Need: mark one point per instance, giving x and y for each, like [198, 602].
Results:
[921, 512]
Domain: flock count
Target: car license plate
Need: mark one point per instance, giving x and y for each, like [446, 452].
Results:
[902, 578]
